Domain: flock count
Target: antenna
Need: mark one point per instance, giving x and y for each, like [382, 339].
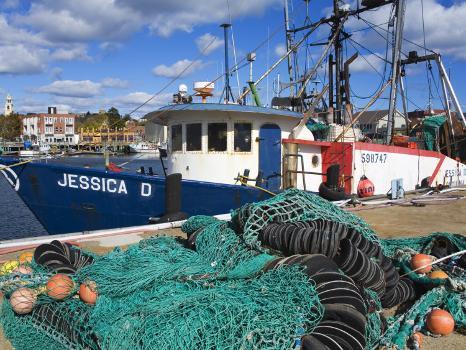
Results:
[227, 93]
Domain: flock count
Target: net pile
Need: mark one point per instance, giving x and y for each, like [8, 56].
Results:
[160, 295]
[291, 206]
[223, 294]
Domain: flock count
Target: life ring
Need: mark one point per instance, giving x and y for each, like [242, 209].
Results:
[13, 182]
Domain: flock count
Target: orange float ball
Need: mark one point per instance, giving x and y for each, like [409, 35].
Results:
[420, 260]
[23, 300]
[88, 292]
[418, 338]
[59, 286]
[440, 322]
[438, 274]
[26, 257]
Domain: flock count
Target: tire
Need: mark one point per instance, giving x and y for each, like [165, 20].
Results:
[331, 195]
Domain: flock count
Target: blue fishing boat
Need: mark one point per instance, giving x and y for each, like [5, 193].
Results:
[209, 145]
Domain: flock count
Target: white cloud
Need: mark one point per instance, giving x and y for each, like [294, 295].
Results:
[367, 63]
[208, 43]
[280, 50]
[78, 103]
[114, 83]
[445, 30]
[133, 100]
[76, 53]
[80, 88]
[113, 20]
[51, 30]
[109, 46]
[178, 69]
[72, 88]
[165, 17]
[138, 98]
[80, 21]
[19, 59]
[11, 35]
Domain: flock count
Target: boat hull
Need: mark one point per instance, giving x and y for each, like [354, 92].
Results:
[380, 163]
[68, 199]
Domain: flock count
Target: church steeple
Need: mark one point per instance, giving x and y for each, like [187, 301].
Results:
[8, 105]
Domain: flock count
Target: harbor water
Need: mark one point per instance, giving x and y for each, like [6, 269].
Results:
[17, 221]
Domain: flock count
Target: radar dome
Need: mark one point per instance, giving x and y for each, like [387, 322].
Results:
[183, 88]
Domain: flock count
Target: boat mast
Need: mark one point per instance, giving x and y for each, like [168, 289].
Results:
[400, 13]
[289, 45]
[227, 89]
[338, 54]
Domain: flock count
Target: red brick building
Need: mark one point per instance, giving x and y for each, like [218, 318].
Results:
[50, 128]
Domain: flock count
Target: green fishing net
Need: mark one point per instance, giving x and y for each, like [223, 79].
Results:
[319, 130]
[430, 128]
[291, 206]
[160, 295]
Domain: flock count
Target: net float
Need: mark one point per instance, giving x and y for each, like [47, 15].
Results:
[59, 286]
[23, 300]
[438, 274]
[440, 322]
[26, 257]
[419, 261]
[365, 187]
[88, 292]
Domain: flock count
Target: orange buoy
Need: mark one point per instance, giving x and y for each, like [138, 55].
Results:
[26, 257]
[438, 274]
[418, 338]
[88, 292]
[59, 286]
[440, 322]
[23, 300]
[420, 260]
[365, 187]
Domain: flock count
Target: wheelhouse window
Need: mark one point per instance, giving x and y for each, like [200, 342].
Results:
[177, 141]
[243, 137]
[194, 137]
[217, 133]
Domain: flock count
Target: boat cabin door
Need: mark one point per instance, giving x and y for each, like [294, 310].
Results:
[270, 153]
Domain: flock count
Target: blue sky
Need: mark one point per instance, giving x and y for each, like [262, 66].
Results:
[86, 55]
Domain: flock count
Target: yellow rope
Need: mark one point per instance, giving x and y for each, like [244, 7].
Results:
[243, 180]
[16, 164]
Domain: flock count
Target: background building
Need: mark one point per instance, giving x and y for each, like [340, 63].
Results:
[8, 106]
[374, 123]
[50, 128]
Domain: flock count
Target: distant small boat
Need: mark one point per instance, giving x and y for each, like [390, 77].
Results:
[35, 150]
[143, 147]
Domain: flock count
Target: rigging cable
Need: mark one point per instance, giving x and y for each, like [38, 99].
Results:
[383, 76]
[277, 29]
[233, 44]
[407, 40]
[428, 65]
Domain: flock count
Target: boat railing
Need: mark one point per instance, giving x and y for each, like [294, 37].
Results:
[303, 172]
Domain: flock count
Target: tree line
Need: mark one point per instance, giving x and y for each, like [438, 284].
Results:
[11, 126]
